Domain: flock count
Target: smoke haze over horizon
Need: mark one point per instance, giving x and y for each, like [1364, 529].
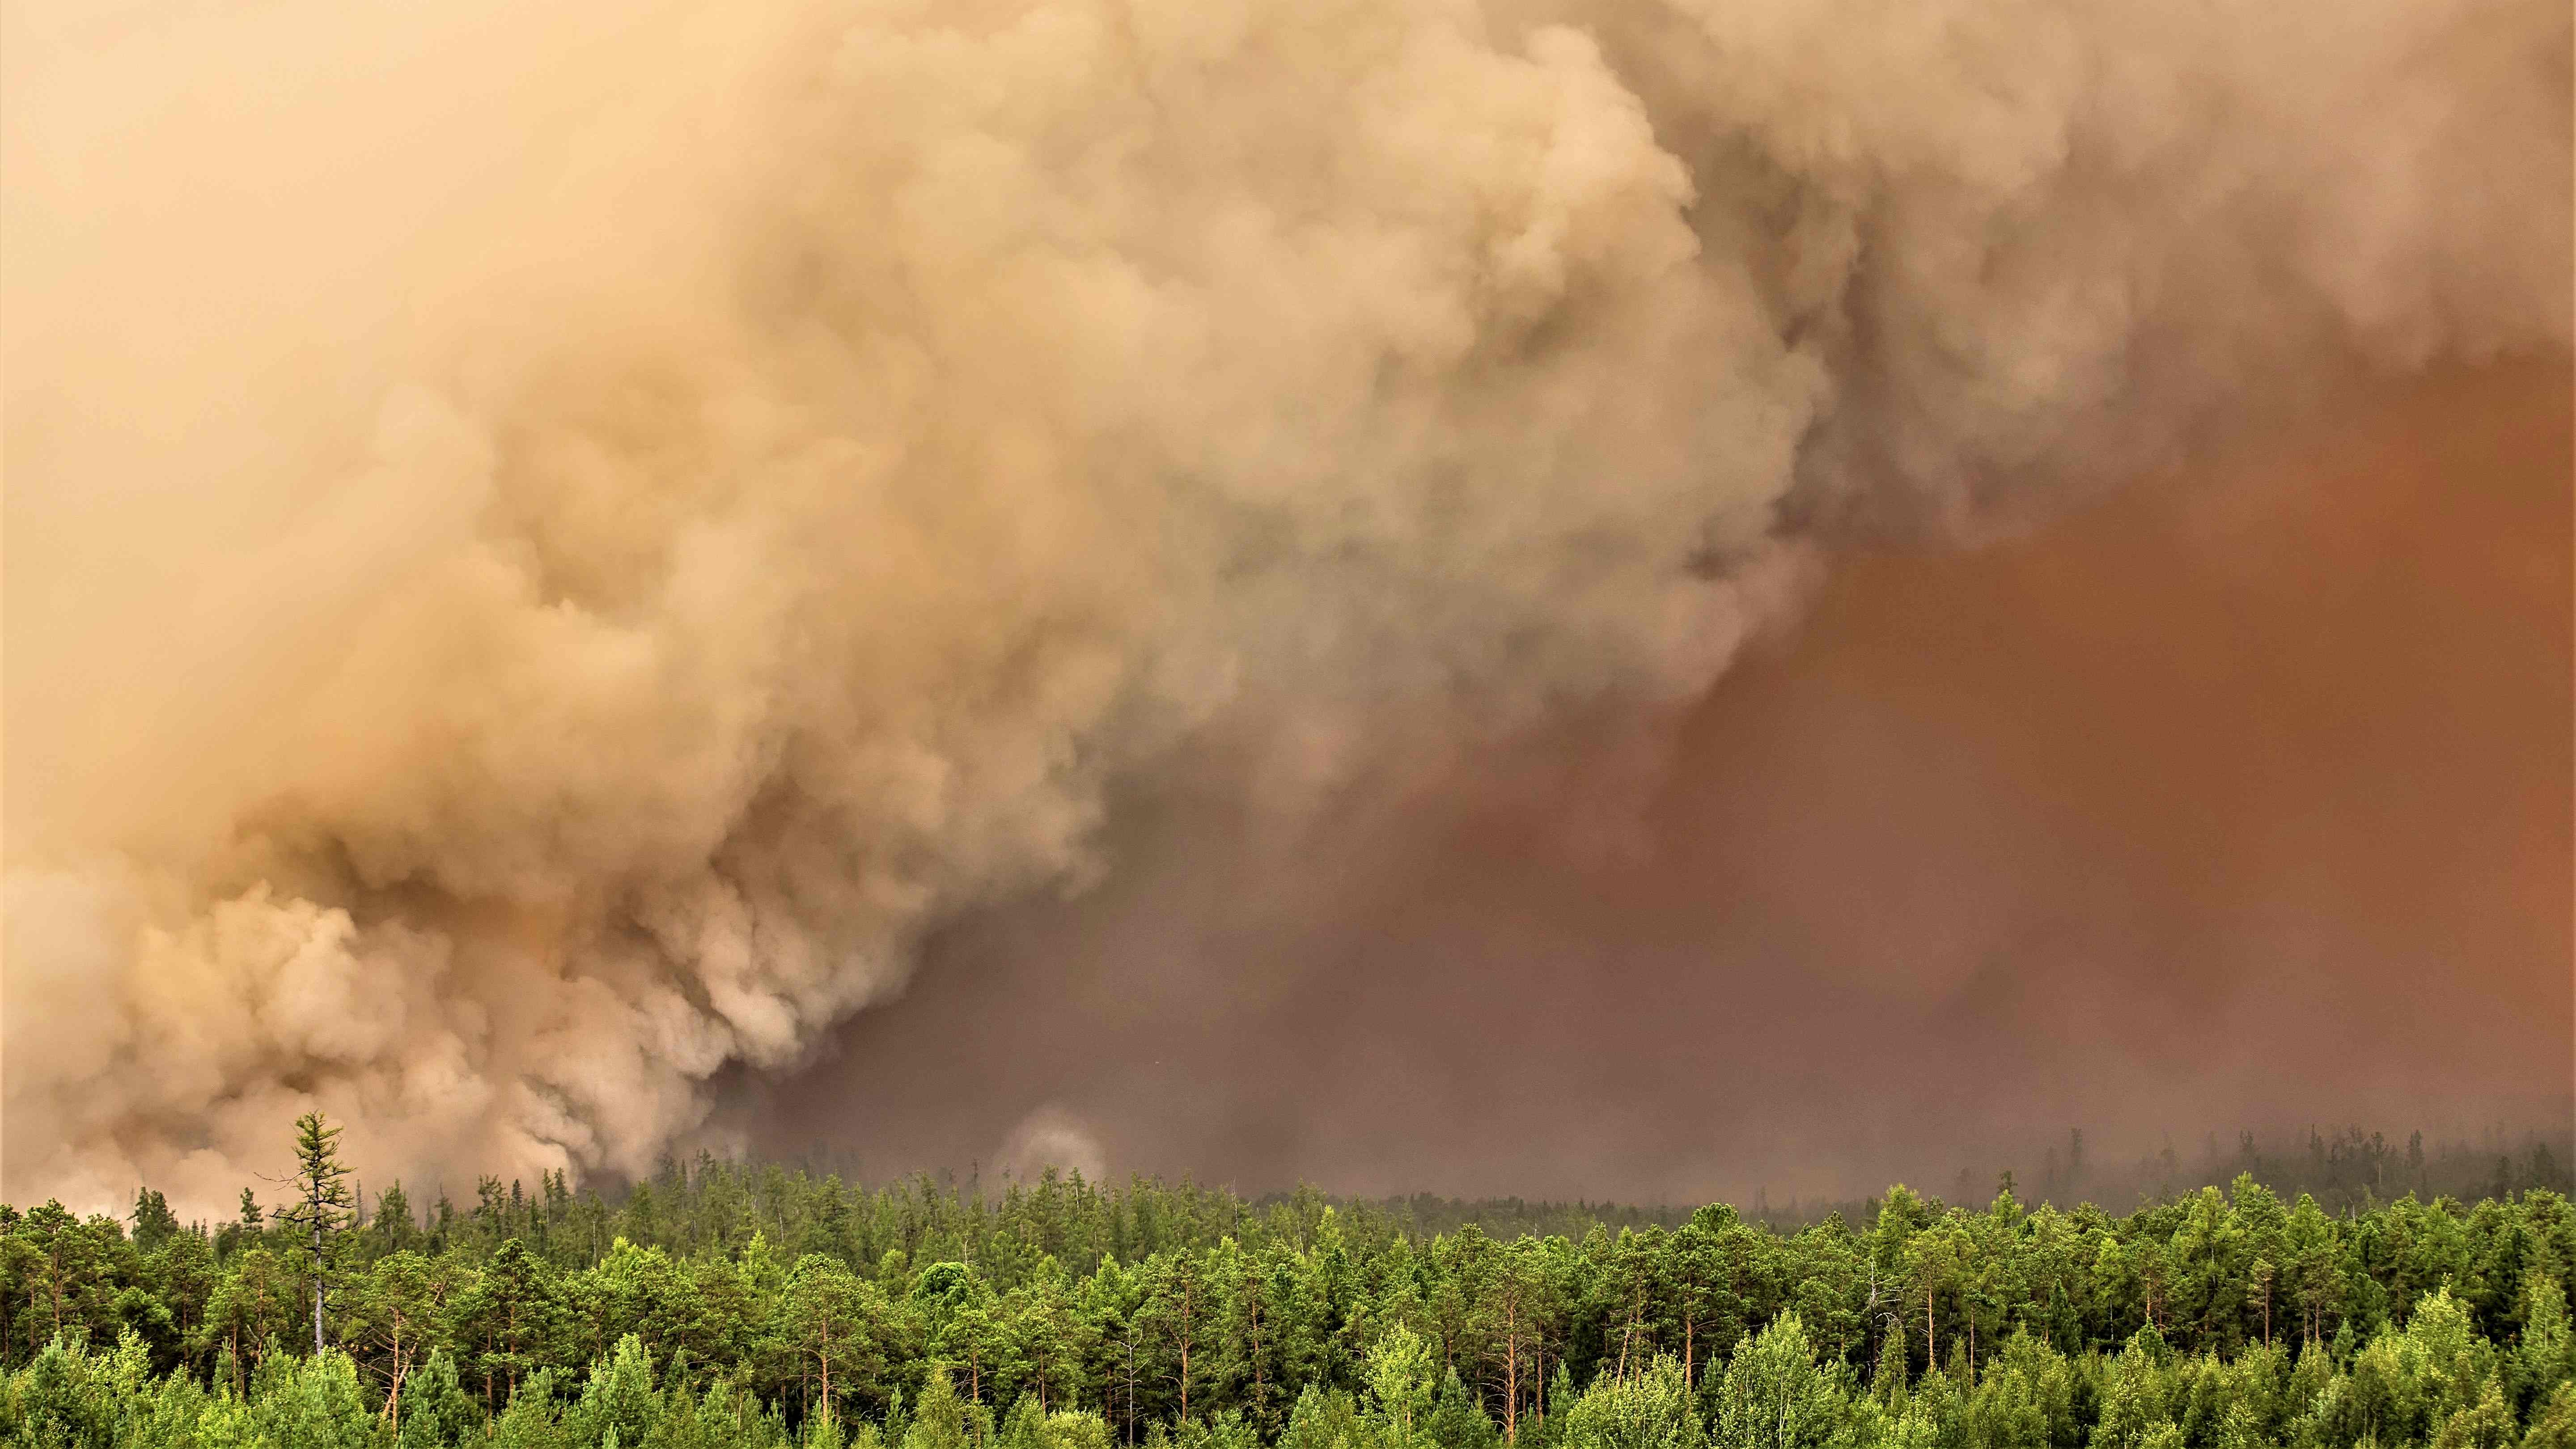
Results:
[1618, 593]
[2234, 803]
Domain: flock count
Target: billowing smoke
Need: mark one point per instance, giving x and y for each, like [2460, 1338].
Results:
[545, 554]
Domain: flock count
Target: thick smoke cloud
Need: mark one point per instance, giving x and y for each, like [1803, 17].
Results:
[2237, 801]
[546, 554]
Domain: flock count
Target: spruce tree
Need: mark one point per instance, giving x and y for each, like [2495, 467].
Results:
[322, 1207]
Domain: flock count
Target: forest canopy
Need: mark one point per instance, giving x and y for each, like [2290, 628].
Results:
[723, 1302]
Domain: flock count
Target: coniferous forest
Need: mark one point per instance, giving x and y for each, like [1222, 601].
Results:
[722, 1303]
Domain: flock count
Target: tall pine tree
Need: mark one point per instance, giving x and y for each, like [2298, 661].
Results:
[323, 1207]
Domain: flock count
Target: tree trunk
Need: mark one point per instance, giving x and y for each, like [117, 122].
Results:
[393, 1400]
[313, 1204]
[1260, 1360]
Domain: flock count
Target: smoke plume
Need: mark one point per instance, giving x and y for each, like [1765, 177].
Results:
[2233, 802]
[547, 552]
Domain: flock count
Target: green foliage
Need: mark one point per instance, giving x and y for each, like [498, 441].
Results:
[2553, 1424]
[2546, 1355]
[2025, 1399]
[1458, 1418]
[912, 1316]
[1323, 1419]
[1400, 1383]
[435, 1412]
[939, 1419]
[1650, 1408]
[312, 1403]
[1776, 1396]
[533, 1419]
[618, 1398]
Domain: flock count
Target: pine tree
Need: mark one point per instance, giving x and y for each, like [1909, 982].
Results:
[1775, 1395]
[394, 1227]
[436, 1414]
[323, 1207]
[154, 1223]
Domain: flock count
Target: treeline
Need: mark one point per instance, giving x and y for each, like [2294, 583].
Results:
[2344, 1169]
[737, 1304]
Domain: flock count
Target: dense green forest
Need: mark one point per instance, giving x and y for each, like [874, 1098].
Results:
[730, 1303]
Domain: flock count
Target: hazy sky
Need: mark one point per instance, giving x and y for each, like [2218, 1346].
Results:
[2241, 799]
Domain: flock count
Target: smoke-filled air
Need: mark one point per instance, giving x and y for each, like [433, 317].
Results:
[549, 547]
